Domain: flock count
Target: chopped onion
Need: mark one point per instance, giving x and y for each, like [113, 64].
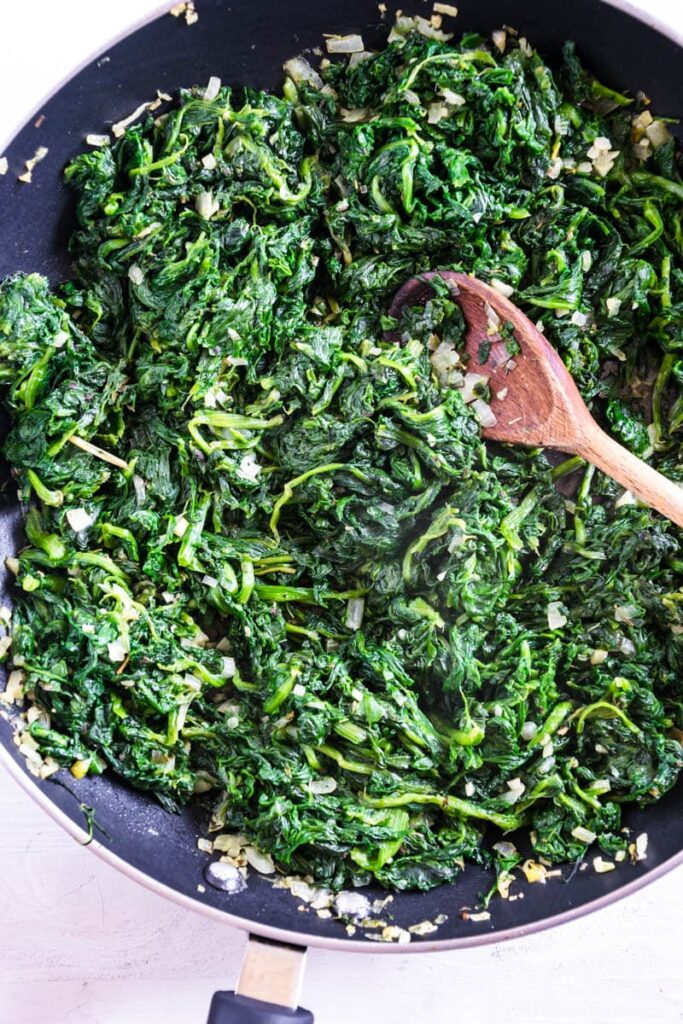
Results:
[119, 127]
[209, 162]
[528, 730]
[584, 835]
[579, 319]
[116, 651]
[401, 27]
[180, 526]
[642, 150]
[504, 289]
[140, 489]
[484, 413]
[357, 58]
[352, 904]
[39, 155]
[602, 866]
[299, 70]
[471, 390]
[322, 786]
[14, 690]
[249, 468]
[444, 358]
[229, 668]
[641, 846]
[505, 849]
[625, 646]
[427, 29]
[4, 166]
[613, 306]
[209, 581]
[454, 99]
[423, 928]
[514, 791]
[500, 39]
[302, 890]
[354, 613]
[136, 274]
[599, 656]
[625, 613]
[556, 618]
[97, 140]
[79, 519]
[448, 9]
[492, 319]
[640, 123]
[658, 134]
[345, 44]
[259, 861]
[437, 112]
[230, 844]
[213, 88]
[206, 205]
[354, 115]
[604, 162]
[600, 145]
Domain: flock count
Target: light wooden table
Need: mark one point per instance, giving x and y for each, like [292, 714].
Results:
[81, 944]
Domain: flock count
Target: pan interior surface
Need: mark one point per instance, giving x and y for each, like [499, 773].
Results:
[246, 45]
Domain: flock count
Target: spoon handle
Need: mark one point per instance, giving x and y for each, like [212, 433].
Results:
[642, 480]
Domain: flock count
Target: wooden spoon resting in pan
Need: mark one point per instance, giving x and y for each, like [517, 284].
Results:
[541, 405]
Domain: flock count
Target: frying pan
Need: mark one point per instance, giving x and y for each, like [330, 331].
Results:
[245, 43]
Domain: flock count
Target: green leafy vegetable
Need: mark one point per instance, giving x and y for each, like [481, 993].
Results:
[269, 558]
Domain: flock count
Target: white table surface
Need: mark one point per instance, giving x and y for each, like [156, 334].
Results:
[81, 944]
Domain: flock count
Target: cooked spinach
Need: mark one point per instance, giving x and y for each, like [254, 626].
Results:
[269, 558]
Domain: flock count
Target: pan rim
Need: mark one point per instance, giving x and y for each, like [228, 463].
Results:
[303, 938]
[43, 800]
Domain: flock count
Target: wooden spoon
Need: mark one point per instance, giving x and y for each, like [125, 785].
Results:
[541, 405]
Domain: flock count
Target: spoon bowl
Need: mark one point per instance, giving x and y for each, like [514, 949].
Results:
[534, 400]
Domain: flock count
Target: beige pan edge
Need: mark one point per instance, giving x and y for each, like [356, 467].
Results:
[280, 934]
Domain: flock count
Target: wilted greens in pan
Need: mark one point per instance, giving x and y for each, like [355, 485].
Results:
[269, 558]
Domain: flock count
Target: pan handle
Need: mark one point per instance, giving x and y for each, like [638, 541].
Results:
[268, 988]
[231, 1008]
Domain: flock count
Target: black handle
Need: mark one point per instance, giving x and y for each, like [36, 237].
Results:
[229, 1008]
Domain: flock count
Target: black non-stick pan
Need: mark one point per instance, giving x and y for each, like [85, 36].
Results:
[245, 43]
